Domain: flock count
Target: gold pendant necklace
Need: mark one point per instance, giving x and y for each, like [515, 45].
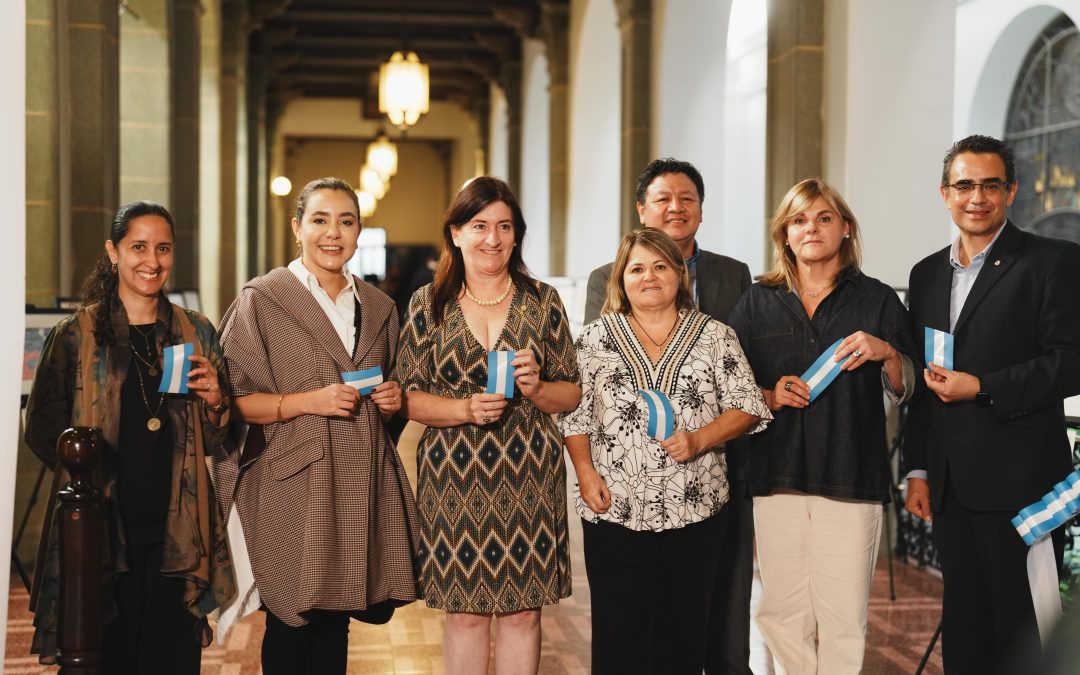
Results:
[659, 345]
[489, 303]
[154, 423]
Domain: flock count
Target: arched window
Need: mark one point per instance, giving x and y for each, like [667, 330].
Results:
[1043, 126]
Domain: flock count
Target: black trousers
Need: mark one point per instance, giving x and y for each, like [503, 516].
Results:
[728, 647]
[153, 632]
[988, 617]
[651, 593]
[321, 647]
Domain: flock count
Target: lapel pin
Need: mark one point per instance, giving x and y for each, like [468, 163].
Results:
[997, 262]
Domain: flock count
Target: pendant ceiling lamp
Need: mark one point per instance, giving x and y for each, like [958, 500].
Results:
[403, 88]
[367, 203]
[404, 84]
[371, 182]
[382, 156]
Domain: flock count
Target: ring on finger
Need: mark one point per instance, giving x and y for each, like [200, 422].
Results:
[787, 386]
[858, 353]
[487, 420]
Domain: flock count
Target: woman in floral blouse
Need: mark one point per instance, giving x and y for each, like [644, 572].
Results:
[652, 510]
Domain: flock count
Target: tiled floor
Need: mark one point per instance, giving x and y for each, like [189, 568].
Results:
[412, 642]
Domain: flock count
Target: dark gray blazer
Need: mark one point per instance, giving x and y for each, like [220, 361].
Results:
[720, 281]
[1019, 333]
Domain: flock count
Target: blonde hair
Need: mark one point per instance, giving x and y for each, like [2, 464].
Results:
[797, 200]
[657, 241]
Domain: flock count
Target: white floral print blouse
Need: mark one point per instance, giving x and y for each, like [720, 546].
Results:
[703, 372]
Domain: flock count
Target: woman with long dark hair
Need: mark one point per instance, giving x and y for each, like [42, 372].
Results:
[102, 368]
[327, 512]
[491, 480]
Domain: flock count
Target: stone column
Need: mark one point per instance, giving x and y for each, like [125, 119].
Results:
[510, 81]
[794, 126]
[184, 66]
[555, 22]
[43, 237]
[635, 26]
[257, 184]
[89, 105]
[234, 34]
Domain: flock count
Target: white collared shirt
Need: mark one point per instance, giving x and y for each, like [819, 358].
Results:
[341, 311]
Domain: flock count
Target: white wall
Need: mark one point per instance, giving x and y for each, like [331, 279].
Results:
[593, 194]
[498, 133]
[888, 112]
[535, 191]
[744, 211]
[13, 262]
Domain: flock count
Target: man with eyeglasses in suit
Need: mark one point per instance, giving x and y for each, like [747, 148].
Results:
[987, 437]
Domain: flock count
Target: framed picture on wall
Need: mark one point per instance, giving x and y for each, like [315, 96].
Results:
[38, 324]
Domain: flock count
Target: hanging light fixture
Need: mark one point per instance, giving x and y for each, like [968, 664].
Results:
[371, 182]
[403, 88]
[382, 156]
[367, 203]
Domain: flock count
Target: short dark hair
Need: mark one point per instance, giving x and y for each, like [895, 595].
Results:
[980, 145]
[666, 165]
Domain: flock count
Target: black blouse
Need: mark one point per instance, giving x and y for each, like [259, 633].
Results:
[836, 446]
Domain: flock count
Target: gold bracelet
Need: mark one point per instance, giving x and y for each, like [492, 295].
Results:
[279, 400]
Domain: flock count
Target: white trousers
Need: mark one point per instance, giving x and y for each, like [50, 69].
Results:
[816, 556]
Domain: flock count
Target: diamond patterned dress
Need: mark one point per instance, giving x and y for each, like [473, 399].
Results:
[492, 498]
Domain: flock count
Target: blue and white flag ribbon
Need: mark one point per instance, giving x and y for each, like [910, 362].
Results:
[364, 380]
[1034, 523]
[177, 366]
[661, 414]
[823, 371]
[939, 347]
[501, 373]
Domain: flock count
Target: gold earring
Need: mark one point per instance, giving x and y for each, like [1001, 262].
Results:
[114, 268]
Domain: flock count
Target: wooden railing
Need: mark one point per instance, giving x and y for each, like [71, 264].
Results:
[81, 519]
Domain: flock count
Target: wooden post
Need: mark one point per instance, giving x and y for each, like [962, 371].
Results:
[81, 515]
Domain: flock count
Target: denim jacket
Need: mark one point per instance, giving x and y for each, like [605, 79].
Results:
[836, 446]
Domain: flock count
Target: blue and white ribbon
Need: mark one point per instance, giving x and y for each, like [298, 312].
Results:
[939, 347]
[501, 373]
[661, 414]
[177, 366]
[823, 371]
[1034, 523]
[364, 380]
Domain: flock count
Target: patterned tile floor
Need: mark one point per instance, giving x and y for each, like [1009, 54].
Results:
[412, 642]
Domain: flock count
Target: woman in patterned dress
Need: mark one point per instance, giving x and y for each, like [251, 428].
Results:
[652, 510]
[491, 483]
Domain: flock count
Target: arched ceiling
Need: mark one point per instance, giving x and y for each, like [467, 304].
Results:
[333, 48]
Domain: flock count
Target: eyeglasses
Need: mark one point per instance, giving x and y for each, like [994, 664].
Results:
[990, 187]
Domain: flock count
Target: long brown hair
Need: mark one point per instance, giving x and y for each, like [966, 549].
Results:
[657, 241]
[101, 286]
[472, 199]
[797, 200]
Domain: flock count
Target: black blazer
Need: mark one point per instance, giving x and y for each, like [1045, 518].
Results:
[721, 281]
[1019, 333]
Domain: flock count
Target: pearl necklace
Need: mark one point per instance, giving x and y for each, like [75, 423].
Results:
[489, 303]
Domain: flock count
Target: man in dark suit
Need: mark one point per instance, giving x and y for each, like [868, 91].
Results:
[669, 197]
[988, 437]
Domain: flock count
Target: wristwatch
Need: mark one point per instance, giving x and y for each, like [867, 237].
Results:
[983, 399]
